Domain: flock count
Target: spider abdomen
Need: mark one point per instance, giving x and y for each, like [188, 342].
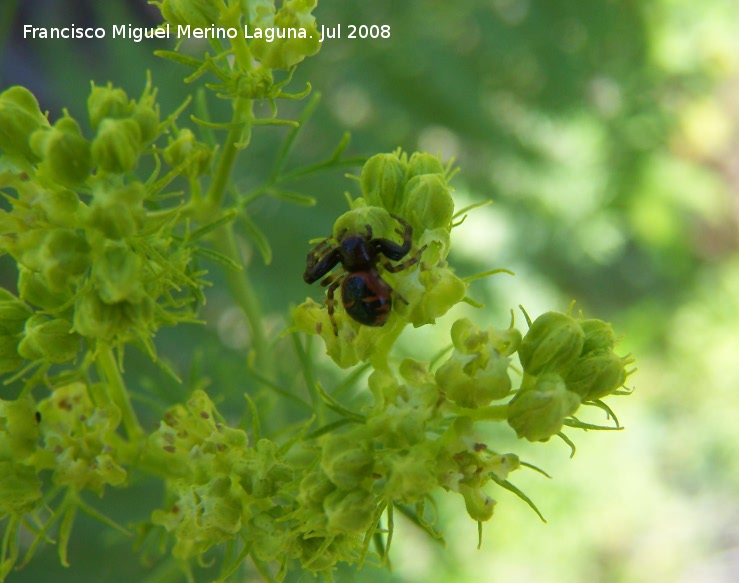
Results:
[367, 298]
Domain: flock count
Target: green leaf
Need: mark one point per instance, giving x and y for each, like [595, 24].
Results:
[257, 237]
[511, 488]
[334, 405]
[218, 258]
[420, 523]
[284, 152]
[200, 232]
[577, 424]
[293, 197]
[180, 59]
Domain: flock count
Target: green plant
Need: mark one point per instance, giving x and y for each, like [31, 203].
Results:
[106, 258]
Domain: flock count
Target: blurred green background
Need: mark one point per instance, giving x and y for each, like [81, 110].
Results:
[606, 134]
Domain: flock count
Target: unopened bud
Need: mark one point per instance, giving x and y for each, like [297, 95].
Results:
[20, 117]
[552, 344]
[383, 178]
[538, 413]
[116, 147]
[597, 375]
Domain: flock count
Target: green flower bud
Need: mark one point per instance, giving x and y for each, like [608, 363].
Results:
[430, 296]
[479, 505]
[347, 459]
[219, 513]
[357, 220]
[539, 412]
[64, 255]
[107, 103]
[476, 373]
[10, 360]
[283, 53]
[384, 388]
[349, 512]
[201, 517]
[34, 289]
[398, 419]
[382, 180]
[423, 163]
[475, 381]
[346, 349]
[268, 474]
[599, 336]
[117, 145]
[314, 488]
[597, 375]
[437, 243]
[95, 319]
[199, 13]
[411, 476]
[65, 154]
[117, 274]
[19, 433]
[399, 425]
[416, 373]
[117, 212]
[552, 344]
[61, 207]
[20, 489]
[260, 12]
[428, 202]
[259, 83]
[270, 537]
[146, 115]
[26, 247]
[192, 155]
[20, 116]
[469, 339]
[13, 314]
[50, 340]
[501, 465]
[80, 439]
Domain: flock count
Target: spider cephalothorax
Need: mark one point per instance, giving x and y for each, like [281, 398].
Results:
[366, 297]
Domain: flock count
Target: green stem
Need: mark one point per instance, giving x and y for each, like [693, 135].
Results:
[108, 371]
[306, 363]
[10, 548]
[237, 138]
[245, 297]
[379, 360]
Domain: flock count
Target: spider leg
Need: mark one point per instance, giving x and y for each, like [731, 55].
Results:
[319, 264]
[333, 282]
[406, 264]
[391, 249]
[317, 251]
[399, 297]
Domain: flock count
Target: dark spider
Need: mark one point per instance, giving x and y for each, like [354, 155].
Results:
[366, 297]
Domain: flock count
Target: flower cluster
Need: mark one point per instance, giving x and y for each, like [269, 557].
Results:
[257, 56]
[565, 362]
[219, 487]
[73, 434]
[93, 261]
[416, 189]
[420, 436]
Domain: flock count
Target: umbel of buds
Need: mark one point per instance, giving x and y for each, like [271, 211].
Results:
[565, 362]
